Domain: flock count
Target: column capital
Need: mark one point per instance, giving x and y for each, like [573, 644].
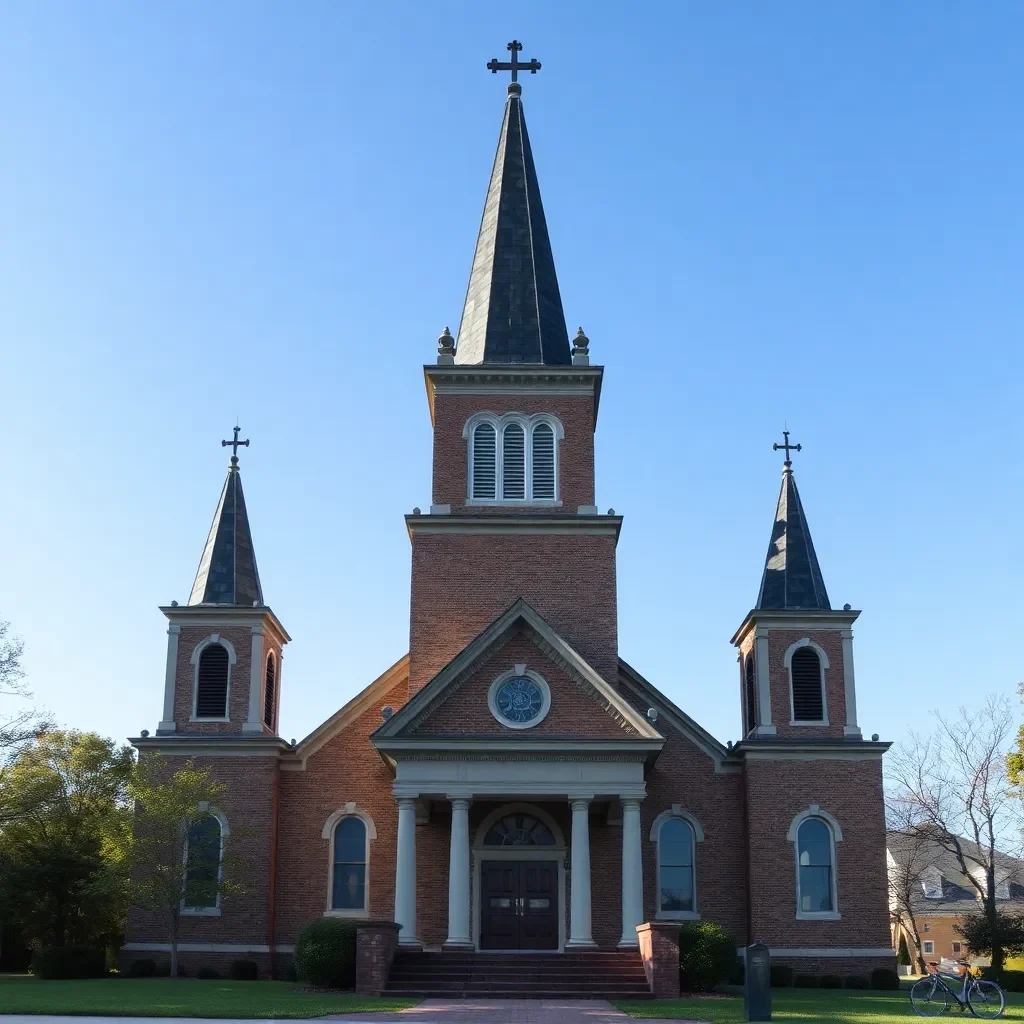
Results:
[630, 803]
[459, 803]
[578, 802]
[406, 803]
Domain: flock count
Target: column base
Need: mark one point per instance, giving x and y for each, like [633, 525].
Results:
[581, 944]
[412, 944]
[457, 945]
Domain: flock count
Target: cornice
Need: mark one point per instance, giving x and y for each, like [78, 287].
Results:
[496, 523]
[212, 745]
[225, 615]
[795, 618]
[811, 750]
[493, 748]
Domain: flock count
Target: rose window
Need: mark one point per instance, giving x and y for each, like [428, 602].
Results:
[519, 700]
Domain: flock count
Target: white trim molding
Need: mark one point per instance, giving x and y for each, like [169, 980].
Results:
[170, 678]
[204, 947]
[197, 651]
[823, 667]
[835, 836]
[826, 952]
[520, 672]
[349, 810]
[528, 422]
[676, 813]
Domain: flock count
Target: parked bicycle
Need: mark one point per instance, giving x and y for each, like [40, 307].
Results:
[932, 996]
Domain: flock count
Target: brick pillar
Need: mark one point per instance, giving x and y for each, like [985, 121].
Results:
[659, 950]
[376, 942]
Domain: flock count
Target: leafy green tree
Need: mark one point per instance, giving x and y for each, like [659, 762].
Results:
[180, 856]
[981, 938]
[64, 848]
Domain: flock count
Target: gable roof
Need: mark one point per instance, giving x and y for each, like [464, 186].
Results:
[521, 616]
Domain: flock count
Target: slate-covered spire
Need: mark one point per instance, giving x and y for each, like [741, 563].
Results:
[513, 311]
[227, 571]
[792, 577]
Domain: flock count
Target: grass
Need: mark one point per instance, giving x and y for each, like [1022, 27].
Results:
[801, 1006]
[181, 997]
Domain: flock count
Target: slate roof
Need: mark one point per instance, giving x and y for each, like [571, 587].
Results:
[227, 571]
[792, 577]
[513, 310]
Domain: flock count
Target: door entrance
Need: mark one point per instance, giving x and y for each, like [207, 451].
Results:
[519, 904]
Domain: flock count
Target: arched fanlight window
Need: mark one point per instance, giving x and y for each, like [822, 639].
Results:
[269, 692]
[212, 682]
[513, 462]
[484, 465]
[203, 851]
[808, 683]
[750, 691]
[519, 830]
[348, 881]
[675, 867]
[815, 868]
[543, 461]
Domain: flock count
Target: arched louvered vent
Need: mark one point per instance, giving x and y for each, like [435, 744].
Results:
[808, 699]
[513, 462]
[751, 694]
[484, 461]
[269, 692]
[212, 685]
[543, 461]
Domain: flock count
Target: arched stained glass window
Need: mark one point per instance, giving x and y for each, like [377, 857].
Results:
[814, 867]
[519, 830]
[348, 884]
[675, 866]
[202, 863]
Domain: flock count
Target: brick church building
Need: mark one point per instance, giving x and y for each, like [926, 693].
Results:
[510, 783]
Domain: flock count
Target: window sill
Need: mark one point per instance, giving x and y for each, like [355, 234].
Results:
[812, 724]
[347, 913]
[825, 915]
[200, 911]
[194, 718]
[677, 915]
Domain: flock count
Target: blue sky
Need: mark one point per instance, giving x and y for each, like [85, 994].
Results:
[762, 214]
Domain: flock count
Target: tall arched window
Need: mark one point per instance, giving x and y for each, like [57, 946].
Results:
[675, 867]
[348, 881]
[212, 682]
[808, 682]
[269, 692]
[750, 691]
[543, 461]
[483, 462]
[513, 462]
[203, 853]
[815, 872]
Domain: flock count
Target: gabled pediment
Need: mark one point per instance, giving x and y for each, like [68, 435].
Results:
[453, 706]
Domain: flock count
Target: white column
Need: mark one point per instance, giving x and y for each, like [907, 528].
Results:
[254, 720]
[849, 686]
[580, 933]
[762, 666]
[632, 875]
[170, 679]
[458, 877]
[405, 873]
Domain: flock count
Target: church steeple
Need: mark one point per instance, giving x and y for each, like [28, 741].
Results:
[513, 310]
[227, 573]
[792, 577]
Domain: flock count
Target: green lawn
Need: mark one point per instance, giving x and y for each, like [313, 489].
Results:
[184, 997]
[793, 1006]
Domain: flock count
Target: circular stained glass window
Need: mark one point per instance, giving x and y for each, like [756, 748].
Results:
[519, 700]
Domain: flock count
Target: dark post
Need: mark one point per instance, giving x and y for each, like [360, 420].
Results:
[757, 988]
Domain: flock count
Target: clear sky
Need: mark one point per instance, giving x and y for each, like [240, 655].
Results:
[762, 214]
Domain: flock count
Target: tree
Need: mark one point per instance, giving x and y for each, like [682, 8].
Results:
[178, 858]
[1015, 759]
[977, 932]
[953, 790]
[64, 849]
[910, 855]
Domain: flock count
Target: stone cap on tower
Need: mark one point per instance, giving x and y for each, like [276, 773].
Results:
[513, 309]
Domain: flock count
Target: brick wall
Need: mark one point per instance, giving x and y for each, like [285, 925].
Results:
[240, 637]
[831, 642]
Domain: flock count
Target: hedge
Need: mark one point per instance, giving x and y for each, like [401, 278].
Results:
[325, 954]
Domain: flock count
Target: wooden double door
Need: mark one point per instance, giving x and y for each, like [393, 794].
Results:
[519, 904]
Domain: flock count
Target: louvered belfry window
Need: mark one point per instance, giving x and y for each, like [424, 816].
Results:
[212, 686]
[543, 461]
[513, 462]
[808, 698]
[751, 694]
[485, 471]
[269, 692]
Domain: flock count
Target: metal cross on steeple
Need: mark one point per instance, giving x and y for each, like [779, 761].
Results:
[495, 65]
[235, 445]
[787, 447]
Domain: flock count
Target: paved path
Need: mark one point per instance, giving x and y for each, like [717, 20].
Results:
[430, 1011]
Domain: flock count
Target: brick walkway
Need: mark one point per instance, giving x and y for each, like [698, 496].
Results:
[501, 1011]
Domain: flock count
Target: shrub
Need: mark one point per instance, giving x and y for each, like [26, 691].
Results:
[806, 981]
[1012, 981]
[781, 976]
[142, 969]
[325, 954]
[883, 978]
[208, 974]
[857, 981]
[244, 970]
[69, 962]
[707, 956]
[831, 981]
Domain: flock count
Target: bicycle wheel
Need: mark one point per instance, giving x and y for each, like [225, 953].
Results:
[929, 998]
[986, 999]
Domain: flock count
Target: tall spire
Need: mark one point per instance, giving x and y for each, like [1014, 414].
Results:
[792, 577]
[513, 311]
[227, 571]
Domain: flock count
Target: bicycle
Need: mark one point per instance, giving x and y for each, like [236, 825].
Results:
[930, 997]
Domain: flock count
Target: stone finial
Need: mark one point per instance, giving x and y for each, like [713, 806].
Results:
[446, 347]
[580, 349]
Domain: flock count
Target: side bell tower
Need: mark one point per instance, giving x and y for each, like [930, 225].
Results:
[224, 647]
